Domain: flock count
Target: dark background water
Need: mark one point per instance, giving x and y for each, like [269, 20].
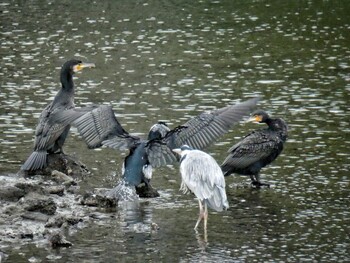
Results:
[170, 60]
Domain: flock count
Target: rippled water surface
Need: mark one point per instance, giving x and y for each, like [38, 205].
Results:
[170, 60]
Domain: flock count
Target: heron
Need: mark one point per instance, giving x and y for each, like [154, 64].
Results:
[101, 127]
[257, 149]
[52, 130]
[202, 175]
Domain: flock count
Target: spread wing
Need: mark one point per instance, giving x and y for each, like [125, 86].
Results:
[200, 131]
[159, 153]
[256, 146]
[100, 126]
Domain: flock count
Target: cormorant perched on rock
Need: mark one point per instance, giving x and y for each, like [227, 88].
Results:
[52, 129]
[101, 127]
[258, 149]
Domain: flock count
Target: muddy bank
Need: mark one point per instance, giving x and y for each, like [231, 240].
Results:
[41, 207]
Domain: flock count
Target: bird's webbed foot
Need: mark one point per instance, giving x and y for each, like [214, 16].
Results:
[258, 184]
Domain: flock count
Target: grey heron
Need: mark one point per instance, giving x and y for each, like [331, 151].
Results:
[202, 175]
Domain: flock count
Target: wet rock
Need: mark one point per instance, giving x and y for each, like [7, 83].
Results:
[11, 193]
[63, 163]
[60, 220]
[56, 189]
[40, 204]
[30, 186]
[56, 239]
[60, 177]
[99, 198]
[35, 216]
[27, 235]
[146, 191]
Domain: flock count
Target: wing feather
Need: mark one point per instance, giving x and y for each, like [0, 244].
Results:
[100, 127]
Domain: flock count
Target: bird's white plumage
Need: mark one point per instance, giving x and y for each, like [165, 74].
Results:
[203, 176]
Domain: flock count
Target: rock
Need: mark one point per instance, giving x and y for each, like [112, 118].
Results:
[40, 204]
[35, 216]
[11, 193]
[146, 191]
[58, 221]
[60, 177]
[30, 186]
[27, 235]
[99, 198]
[56, 239]
[55, 189]
[63, 163]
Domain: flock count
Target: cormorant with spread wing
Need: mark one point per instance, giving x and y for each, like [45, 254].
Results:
[100, 127]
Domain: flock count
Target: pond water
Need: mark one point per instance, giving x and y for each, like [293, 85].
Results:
[170, 60]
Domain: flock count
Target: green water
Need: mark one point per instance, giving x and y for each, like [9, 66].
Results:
[170, 60]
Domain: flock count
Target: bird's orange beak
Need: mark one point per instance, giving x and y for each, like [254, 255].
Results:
[255, 118]
[81, 66]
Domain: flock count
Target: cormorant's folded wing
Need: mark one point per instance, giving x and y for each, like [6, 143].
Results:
[256, 146]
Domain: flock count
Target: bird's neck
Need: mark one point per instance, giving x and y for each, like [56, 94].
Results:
[66, 95]
[67, 82]
[269, 123]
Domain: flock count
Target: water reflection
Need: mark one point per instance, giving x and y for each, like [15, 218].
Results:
[169, 61]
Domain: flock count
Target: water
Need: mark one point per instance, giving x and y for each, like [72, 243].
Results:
[170, 60]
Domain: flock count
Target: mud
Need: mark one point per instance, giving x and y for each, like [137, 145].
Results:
[39, 207]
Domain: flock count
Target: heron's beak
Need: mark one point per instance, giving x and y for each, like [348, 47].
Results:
[177, 150]
[81, 66]
[255, 118]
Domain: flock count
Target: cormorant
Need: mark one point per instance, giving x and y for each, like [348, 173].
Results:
[54, 124]
[257, 149]
[202, 175]
[100, 127]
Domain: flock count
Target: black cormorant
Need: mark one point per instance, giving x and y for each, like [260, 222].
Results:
[52, 128]
[101, 127]
[258, 149]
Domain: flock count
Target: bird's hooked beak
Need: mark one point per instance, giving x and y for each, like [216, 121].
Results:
[81, 66]
[255, 119]
[177, 150]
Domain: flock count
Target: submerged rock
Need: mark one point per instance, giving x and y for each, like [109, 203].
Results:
[57, 239]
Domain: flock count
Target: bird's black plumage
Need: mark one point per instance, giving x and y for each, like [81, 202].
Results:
[101, 127]
[257, 149]
[54, 121]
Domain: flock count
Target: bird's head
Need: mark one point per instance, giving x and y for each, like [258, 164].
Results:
[72, 66]
[158, 131]
[259, 116]
[182, 150]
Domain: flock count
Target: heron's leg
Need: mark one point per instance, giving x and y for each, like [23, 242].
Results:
[205, 216]
[201, 213]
